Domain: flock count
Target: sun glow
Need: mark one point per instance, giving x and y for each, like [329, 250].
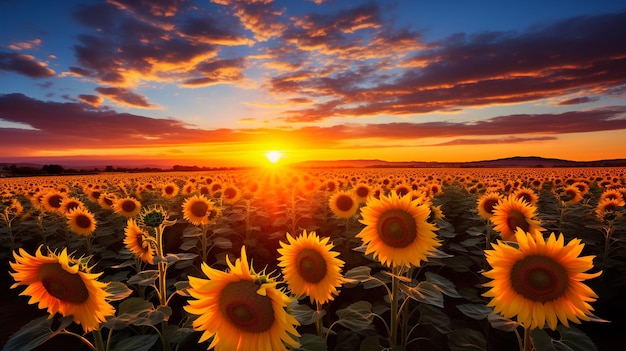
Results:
[274, 156]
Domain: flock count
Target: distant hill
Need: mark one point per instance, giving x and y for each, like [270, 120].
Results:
[517, 161]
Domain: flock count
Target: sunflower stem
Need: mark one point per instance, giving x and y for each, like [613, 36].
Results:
[162, 266]
[318, 322]
[204, 242]
[608, 231]
[393, 299]
[527, 340]
[99, 342]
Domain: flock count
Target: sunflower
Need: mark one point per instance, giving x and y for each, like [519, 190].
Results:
[402, 189]
[15, 208]
[64, 285]
[397, 231]
[512, 213]
[81, 221]
[93, 194]
[70, 203]
[106, 201]
[362, 192]
[135, 241]
[612, 194]
[126, 207]
[571, 194]
[169, 190]
[527, 195]
[51, 201]
[541, 281]
[486, 204]
[231, 194]
[605, 210]
[196, 209]
[343, 204]
[310, 267]
[242, 310]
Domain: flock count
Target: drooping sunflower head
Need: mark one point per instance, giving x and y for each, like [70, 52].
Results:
[152, 216]
[15, 208]
[486, 204]
[137, 241]
[541, 281]
[310, 267]
[241, 309]
[571, 194]
[62, 284]
[512, 213]
[81, 221]
[343, 204]
[127, 207]
[606, 209]
[397, 230]
[197, 209]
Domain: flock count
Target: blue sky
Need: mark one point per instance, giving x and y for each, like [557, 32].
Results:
[225, 80]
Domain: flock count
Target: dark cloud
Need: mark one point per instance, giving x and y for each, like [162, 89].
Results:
[125, 97]
[219, 71]
[93, 100]
[154, 41]
[24, 64]
[578, 100]
[509, 140]
[78, 125]
[262, 18]
[477, 70]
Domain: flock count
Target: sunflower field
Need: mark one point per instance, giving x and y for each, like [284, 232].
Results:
[315, 259]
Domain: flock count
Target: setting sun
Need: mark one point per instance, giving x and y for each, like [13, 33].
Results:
[274, 156]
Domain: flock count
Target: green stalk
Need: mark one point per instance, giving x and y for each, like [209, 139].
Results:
[318, 322]
[97, 338]
[162, 265]
[393, 332]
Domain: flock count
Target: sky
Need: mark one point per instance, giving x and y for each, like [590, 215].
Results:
[222, 82]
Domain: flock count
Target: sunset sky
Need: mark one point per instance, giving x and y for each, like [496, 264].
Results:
[222, 82]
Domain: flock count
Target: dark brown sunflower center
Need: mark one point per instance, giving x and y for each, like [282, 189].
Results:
[539, 278]
[230, 193]
[83, 221]
[199, 208]
[489, 204]
[344, 202]
[571, 194]
[62, 284]
[311, 266]
[397, 228]
[129, 206]
[108, 201]
[362, 191]
[169, 189]
[96, 194]
[245, 309]
[55, 201]
[515, 220]
[402, 191]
